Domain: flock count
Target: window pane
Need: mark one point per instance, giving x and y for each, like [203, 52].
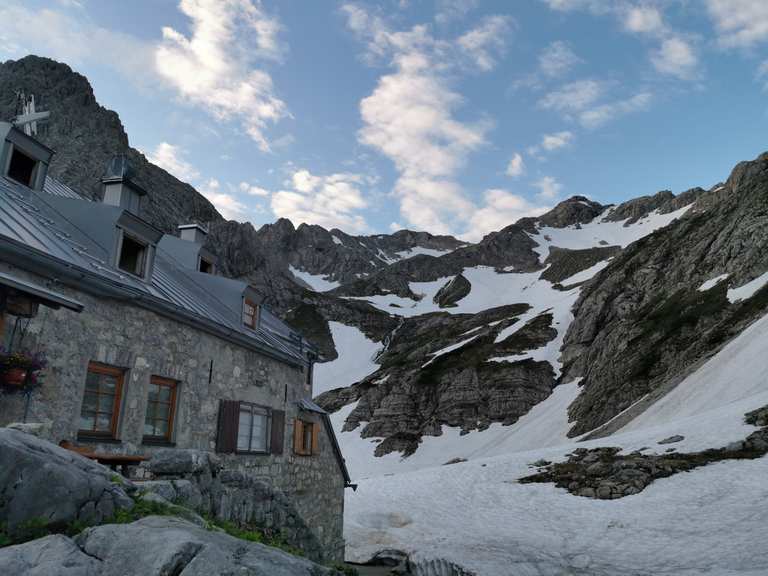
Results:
[162, 411]
[149, 429]
[90, 402]
[87, 420]
[161, 428]
[164, 393]
[153, 392]
[244, 430]
[259, 441]
[92, 382]
[104, 423]
[108, 383]
[307, 446]
[106, 403]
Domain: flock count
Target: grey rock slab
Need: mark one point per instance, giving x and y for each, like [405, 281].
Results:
[39, 480]
[50, 556]
[158, 546]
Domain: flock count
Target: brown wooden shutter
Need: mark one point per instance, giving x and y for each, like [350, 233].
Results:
[278, 432]
[229, 417]
[298, 435]
[315, 438]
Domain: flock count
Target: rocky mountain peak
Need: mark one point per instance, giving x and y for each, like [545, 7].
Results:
[574, 210]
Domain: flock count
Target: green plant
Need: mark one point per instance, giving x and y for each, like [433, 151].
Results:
[32, 529]
[5, 540]
[116, 479]
[142, 509]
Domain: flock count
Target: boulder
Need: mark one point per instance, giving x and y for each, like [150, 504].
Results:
[176, 462]
[453, 291]
[157, 546]
[41, 480]
[53, 555]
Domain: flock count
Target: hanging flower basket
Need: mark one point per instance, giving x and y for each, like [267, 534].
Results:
[20, 369]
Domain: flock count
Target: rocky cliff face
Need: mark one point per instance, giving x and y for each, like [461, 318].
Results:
[649, 316]
[85, 135]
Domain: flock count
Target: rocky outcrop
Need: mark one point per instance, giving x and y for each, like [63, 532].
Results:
[197, 480]
[152, 546]
[563, 263]
[571, 212]
[452, 291]
[425, 383]
[606, 474]
[643, 321]
[40, 481]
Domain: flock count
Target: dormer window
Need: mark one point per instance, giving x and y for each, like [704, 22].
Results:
[22, 168]
[250, 313]
[133, 256]
[205, 266]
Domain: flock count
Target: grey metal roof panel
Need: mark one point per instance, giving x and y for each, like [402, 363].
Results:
[56, 188]
[80, 234]
[309, 406]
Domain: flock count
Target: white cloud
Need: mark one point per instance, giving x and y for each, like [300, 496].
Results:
[169, 157]
[573, 97]
[550, 142]
[676, 58]
[450, 10]
[410, 119]
[56, 34]
[516, 166]
[483, 42]
[599, 115]
[557, 59]
[643, 20]
[501, 208]
[332, 201]
[252, 190]
[549, 187]
[740, 23]
[229, 206]
[213, 67]
[395, 226]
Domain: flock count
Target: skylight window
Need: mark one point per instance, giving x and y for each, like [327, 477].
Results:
[22, 168]
[206, 266]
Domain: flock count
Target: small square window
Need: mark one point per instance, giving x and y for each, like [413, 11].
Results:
[22, 168]
[206, 267]
[133, 256]
[305, 438]
[250, 313]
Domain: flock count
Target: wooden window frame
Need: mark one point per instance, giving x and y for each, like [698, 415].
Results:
[174, 385]
[254, 322]
[229, 424]
[267, 427]
[299, 437]
[119, 374]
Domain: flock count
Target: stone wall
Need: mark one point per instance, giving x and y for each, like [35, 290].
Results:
[208, 369]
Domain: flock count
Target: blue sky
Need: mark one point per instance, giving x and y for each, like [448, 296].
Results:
[451, 116]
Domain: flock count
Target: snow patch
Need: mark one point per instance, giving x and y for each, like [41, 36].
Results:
[748, 290]
[712, 282]
[356, 359]
[316, 282]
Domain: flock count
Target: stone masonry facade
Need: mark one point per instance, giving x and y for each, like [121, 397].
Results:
[207, 368]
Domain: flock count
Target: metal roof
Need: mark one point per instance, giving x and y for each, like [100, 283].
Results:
[32, 228]
[47, 297]
[56, 188]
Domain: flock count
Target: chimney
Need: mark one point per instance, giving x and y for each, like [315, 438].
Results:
[119, 188]
[193, 233]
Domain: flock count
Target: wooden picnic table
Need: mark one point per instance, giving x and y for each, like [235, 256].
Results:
[112, 460]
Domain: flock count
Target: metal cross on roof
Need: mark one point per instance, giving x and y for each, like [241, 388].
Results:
[28, 118]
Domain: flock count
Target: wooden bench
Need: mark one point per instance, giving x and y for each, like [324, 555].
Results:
[114, 461]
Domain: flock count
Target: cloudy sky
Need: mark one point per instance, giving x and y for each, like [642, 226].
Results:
[453, 116]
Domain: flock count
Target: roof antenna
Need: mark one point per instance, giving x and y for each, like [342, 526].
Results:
[26, 115]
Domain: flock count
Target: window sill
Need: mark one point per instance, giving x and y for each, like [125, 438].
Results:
[149, 441]
[242, 453]
[96, 439]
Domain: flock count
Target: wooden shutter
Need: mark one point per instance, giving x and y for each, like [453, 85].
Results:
[278, 432]
[298, 436]
[315, 438]
[229, 417]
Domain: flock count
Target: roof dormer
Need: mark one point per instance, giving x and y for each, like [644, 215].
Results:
[23, 158]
